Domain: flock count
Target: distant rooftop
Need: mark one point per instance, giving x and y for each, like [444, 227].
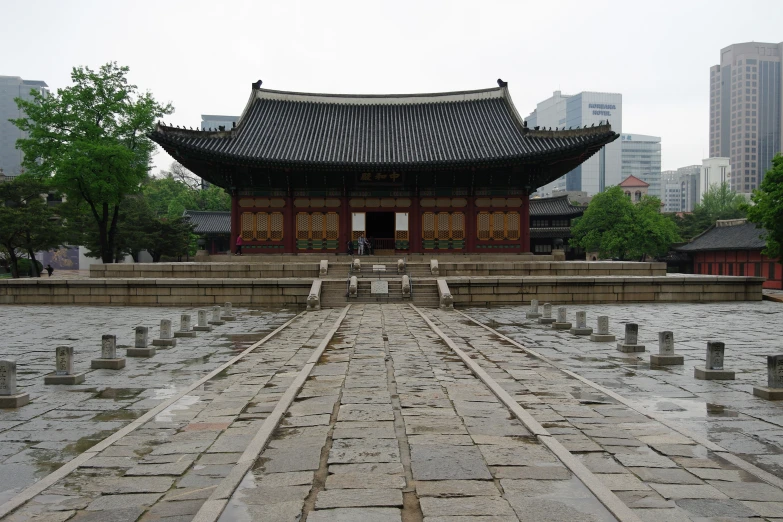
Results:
[728, 234]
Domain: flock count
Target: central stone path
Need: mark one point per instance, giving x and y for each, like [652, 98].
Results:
[392, 413]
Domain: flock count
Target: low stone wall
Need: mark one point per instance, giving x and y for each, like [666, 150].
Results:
[603, 289]
[155, 292]
[247, 270]
[552, 268]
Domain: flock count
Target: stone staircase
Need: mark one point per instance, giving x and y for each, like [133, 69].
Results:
[333, 292]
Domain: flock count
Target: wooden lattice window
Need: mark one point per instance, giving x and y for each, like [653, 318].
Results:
[276, 226]
[428, 225]
[484, 225]
[512, 225]
[262, 226]
[332, 225]
[302, 225]
[442, 225]
[458, 225]
[247, 226]
[317, 223]
[498, 225]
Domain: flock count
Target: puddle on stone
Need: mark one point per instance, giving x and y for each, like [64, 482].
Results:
[184, 403]
[118, 415]
[119, 393]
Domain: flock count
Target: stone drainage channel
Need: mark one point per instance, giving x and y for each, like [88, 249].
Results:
[388, 412]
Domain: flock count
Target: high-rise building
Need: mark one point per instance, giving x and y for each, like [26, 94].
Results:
[681, 189]
[215, 121]
[745, 110]
[641, 158]
[12, 87]
[671, 191]
[714, 171]
[586, 108]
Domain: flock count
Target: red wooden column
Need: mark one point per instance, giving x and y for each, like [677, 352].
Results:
[289, 226]
[525, 223]
[414, 226]
[470, 225]
[345, 224]
[235, 228]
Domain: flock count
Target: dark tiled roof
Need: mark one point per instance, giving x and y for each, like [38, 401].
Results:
[737, 237]
[420, 130]
[540, 232]
[556, 206]
[209, 222]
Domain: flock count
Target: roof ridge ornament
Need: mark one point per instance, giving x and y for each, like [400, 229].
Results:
[501, 83]
[256, 84]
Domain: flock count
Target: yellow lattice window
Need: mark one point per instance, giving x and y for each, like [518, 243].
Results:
[247, 226]
[458, 225]
[498, 225]
[512, 225]
[276, 226]
[332, 225]
[428, 225]
[262, 226]
[317, 223]
[401, 235]
[302, 225]
[484, 226]
[442, 225]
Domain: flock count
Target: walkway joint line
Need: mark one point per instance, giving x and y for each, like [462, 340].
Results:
[762, 475]
[66, 469]
[212, 509]
[604, 495]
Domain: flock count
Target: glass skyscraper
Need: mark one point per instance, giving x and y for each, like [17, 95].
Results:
[641, 157]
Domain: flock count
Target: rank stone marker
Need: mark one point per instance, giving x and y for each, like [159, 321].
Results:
[666, 355]
[713, 370]
[166, 339]
[773, 391]
[108, 359]
[603, 335]
[202, 325]
[562, 319]
[63, 374]
[141, 347]
[228, 313]
[629, 344]
[9, 396]
[581, 325]
[533, 313]
[216, 316]
[547, 317]
[379, 287]
[184, 327]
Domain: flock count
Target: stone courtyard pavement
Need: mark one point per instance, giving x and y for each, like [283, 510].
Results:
[392, 413]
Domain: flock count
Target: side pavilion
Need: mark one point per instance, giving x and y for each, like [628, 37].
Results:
[446, 172]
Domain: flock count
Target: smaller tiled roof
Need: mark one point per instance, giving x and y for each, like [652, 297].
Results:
[542, 232]
[633, 181]
[209, 221]
[556, 206]
[735, 234]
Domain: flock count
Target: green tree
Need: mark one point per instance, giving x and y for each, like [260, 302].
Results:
[89, 140]
[768, 208]
[27, 223]
[615, 227]
[718, 202]
[178, 190]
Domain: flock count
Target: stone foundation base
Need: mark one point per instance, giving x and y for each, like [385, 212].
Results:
[216, 323]
[713, 375]
[228, 318]
[771, 394]
[107, 364]
[14, 401]
[532, 315]
[561, 326]
[581, 331]
[75, 378]
[141, 352]
[189, 333]
[629, 348]
[602, 338]
[164, 342]
[202, 328]
[257, 313]
[546, 320]
[666, 360]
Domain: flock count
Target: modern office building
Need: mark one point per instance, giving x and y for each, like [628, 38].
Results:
[714, 171]
[579, 110]
[215, 121]
[12, 87]
[641, 158]
[681, 189]
[745, 110]
[671, 191]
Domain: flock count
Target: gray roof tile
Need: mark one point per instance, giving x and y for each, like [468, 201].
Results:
[746, 236]
[209, 222]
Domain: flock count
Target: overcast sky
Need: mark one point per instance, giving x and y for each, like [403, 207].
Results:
[203, 55]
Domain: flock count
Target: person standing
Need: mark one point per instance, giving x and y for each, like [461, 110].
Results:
[49, 269]
[361, 245]
[240, 242]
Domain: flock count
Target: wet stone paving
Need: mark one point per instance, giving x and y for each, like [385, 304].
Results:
[390, 423]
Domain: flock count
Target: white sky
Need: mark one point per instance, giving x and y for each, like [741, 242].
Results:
[203, 55]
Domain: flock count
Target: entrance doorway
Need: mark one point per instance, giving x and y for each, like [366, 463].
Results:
[380, 227]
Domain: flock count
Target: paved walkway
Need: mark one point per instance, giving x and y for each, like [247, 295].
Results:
[391, 413]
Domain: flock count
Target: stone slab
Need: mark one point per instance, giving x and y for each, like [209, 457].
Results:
[107, 364]
[713, 375]
[75, 378]
[379, 287]
[343, 498]
[433, 462]
[770, 394]
[666, 360]
[355, 515]
[140, 352]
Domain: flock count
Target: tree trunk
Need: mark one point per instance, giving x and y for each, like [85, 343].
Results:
[34, 264]
[13, 263]
[111, 235]
[107, 252]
